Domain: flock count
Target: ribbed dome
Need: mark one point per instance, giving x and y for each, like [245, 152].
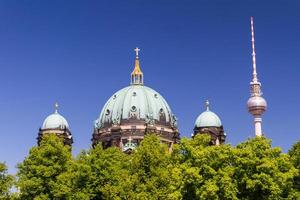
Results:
[208, 119]
[54, 121]
[135, 101]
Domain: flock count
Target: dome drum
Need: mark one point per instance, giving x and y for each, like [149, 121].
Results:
[217, 134]
[135, 121]
[64, 133]
[118, 136]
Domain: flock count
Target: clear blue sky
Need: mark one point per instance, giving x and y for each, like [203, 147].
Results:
[80, 52]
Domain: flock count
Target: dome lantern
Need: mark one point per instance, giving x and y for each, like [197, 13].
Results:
[137, 77]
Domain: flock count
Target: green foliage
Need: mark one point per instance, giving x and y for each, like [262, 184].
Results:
[39, 172]
[6, 182]
[263, 172]
[204, 172]
[96, 174]
[252, 170]
[295, 154]
[108, 171]
[193, 170]
[150, 169]
[295, 158]
[111, 174]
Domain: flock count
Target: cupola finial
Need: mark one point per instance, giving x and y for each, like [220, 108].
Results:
[207, 105]
[137, 74]
[56, 107]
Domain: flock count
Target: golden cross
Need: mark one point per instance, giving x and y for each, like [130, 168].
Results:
[137, 51]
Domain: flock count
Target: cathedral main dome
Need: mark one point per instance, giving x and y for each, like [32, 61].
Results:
[136, 102]
[132, 112]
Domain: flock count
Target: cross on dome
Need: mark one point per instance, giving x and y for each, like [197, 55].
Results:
[137, 52]
[207, 105]
[56, 107]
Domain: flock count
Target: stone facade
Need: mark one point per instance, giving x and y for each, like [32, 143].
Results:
[133, 131]
[217, 134]
[62, 133]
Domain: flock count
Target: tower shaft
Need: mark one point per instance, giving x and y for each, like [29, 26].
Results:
[257, 124]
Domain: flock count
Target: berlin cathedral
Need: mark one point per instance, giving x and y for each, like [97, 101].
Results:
[137, 110]
[131, 113]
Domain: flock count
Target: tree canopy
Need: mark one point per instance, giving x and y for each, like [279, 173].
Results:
[193, 170]
[39, 172]
[6, 182]
[263, 172]
[294, 153]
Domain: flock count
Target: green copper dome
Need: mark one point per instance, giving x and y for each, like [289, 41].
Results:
[136, 102]
[208, 119]
[55, 121]
[133, 112]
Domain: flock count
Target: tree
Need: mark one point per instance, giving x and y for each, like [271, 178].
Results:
[193, 170]
[6, 182]
[252, 170]
[294, 153]
[111, 174]
[263, 172]
[73, 183]
[96, 174]
[204, 171]
[150, 170]
[37, 175]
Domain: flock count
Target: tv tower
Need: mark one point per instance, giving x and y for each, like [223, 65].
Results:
[256, 104]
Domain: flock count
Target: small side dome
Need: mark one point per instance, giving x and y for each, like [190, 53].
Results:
[208, 119]
[55, 121]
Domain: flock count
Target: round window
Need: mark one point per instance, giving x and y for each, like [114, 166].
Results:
[133, 108]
